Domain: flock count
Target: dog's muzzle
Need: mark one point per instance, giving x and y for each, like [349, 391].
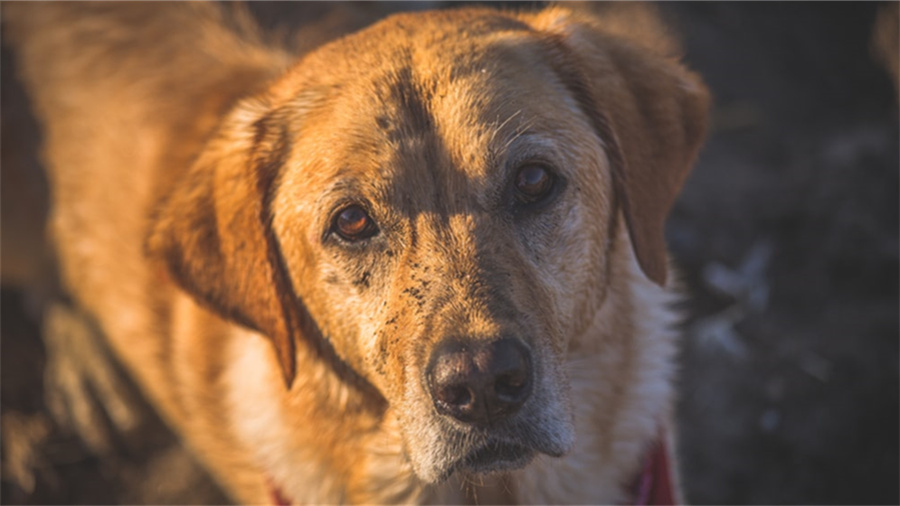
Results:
[491, 409]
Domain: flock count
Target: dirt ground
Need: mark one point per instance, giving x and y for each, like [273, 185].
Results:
[787, 238]
[788, 235]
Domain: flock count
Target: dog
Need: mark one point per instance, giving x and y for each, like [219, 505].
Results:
[421, 262]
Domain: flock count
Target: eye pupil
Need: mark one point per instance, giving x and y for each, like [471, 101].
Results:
[533, 182]
[353, 223]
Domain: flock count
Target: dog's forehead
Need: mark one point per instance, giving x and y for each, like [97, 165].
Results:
[439, 98]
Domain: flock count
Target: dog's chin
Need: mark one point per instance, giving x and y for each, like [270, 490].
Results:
[489, 457]
[495, 457]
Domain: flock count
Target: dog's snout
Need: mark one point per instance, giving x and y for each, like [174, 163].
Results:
[479, 383]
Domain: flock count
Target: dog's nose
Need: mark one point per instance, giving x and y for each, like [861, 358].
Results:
[478, 383]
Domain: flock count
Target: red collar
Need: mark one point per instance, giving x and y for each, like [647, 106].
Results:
[655, 484]
[276, 497]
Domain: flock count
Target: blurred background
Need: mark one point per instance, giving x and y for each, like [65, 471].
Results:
[786, 234]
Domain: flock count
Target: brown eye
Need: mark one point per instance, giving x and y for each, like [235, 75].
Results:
[533, 182]
[353, 223]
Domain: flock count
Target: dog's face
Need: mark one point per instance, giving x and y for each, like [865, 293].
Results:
[434, 200]
[440, 226]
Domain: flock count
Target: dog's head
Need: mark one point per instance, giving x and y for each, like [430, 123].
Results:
[431, 202]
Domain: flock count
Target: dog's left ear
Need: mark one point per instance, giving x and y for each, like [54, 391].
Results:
[648, 110]
[213, 235]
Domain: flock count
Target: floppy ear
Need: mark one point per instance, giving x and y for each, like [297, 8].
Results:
[649, 111]
[213, 230]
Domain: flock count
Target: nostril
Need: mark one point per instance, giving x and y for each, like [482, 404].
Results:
[511, 368]
[458, 396]
[509, 387]
[452, 380]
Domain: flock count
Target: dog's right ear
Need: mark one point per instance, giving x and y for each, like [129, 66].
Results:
[213, 230]
[647, 109]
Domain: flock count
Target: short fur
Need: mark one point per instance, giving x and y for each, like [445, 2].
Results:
[195, 175]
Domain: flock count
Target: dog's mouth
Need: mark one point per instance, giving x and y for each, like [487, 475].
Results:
[495, 456]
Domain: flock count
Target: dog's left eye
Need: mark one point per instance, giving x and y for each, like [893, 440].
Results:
[353, 223]
[533, 182]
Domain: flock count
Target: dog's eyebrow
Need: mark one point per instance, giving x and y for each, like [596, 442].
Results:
[499, 128]
[522, 135]
[344, 184]
[348, 187]
[523, 145]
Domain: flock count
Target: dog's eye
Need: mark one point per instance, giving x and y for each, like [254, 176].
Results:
[533, 182]
[353, 223]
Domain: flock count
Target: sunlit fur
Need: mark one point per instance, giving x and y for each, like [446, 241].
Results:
[196, 174]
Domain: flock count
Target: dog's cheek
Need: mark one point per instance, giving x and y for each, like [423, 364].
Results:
[378, 352]
[352, 305]
[352, 312]
[585, 258]
[570, 254]
[573, 259]
[395, 354]
[312, 277]
[588, 233]
[347, 296]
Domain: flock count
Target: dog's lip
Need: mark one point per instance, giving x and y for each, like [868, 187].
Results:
[496, 456]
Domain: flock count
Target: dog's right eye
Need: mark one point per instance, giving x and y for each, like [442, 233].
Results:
[353, 223]
[534, 182]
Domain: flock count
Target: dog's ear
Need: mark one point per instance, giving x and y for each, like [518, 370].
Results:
[648, 110]
[213, 230]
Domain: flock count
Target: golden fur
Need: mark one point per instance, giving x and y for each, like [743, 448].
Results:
[196, 172]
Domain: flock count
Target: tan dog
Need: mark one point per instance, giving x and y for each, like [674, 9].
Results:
[425, 262]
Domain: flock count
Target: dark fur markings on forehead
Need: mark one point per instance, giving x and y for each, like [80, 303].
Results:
[413, 115]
